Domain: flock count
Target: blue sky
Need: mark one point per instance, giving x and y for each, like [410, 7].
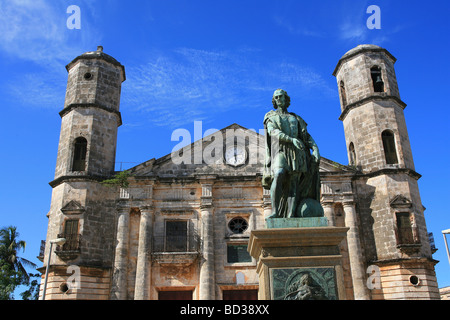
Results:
[217, 62]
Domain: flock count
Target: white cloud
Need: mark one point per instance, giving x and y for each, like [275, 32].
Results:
[36, 30]
[353, 31]
[300, 30]
[188, 84]
[38, 90]
[31, 29]
[170, 88]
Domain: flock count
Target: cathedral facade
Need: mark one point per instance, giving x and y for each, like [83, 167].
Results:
[178, 227]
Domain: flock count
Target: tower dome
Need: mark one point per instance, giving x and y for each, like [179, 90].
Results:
[98, 54]
[362, 48]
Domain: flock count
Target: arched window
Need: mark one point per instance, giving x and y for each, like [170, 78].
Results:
[79, 154]
[352, 154]
[343, 94]
[390, 151]
[378, 84]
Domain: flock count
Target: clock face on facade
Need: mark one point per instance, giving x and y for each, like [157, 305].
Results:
[235, 155]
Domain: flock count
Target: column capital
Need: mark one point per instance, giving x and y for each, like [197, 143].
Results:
[123, 210]
[266, 205]
[206, 205]
[147, 208]
[206, 178]
[327, 203]
[349, 203]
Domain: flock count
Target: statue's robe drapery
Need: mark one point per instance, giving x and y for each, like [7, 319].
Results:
[280, 152]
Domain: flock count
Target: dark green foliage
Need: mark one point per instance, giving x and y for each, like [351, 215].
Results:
[120, 179]
[12, 267]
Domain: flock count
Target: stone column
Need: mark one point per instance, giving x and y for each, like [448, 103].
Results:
[143, 268]
[267, 203]
[328, 209]
[355, 253]
[119, 290]
[207, 273]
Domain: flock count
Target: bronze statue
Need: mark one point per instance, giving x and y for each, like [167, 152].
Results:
[291, 171]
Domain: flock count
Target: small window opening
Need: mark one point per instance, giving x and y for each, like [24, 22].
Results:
[88, 76]
[238, 253]
[176, 236]
[404, 228]
[390, 152]
[343, 94]
[378, 84]
[63, 287]
[71, 227]
[79, 155]
[71, 235]
[414, 280]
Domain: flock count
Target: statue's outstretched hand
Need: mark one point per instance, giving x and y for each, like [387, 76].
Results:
[298, 144]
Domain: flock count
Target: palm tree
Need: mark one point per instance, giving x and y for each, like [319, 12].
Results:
[9, 247]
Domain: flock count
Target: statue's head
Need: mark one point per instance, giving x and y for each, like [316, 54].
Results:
[280, 98]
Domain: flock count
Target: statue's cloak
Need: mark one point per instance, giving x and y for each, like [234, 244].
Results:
[309, 169]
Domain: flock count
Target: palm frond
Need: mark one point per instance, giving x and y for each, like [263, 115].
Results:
[27, 263]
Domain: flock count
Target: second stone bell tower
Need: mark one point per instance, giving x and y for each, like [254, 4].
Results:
[390, 211]
[372, 112]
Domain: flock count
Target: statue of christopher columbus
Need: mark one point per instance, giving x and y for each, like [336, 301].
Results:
[291, 169]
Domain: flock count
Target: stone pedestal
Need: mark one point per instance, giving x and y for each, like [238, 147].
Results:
[299, 259]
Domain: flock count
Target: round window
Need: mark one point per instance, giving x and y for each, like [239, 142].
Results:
[238, 225]
[63, 287]
[414, 280]
[88, 76]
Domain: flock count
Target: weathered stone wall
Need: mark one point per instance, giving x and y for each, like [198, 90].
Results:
[354, 72]
[99, 128]
[102, 87]
[94, 284]
[363, 127]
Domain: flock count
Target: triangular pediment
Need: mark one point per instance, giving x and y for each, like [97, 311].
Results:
[327, 165]
[73, 207]
[400, 201]
[209, 155]
[213, 154]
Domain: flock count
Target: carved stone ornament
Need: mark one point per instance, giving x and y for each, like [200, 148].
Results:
[73, 207]
[400, 201]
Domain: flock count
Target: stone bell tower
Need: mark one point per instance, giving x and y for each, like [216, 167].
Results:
[82, 210]
[91, 116]
[391, 214]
